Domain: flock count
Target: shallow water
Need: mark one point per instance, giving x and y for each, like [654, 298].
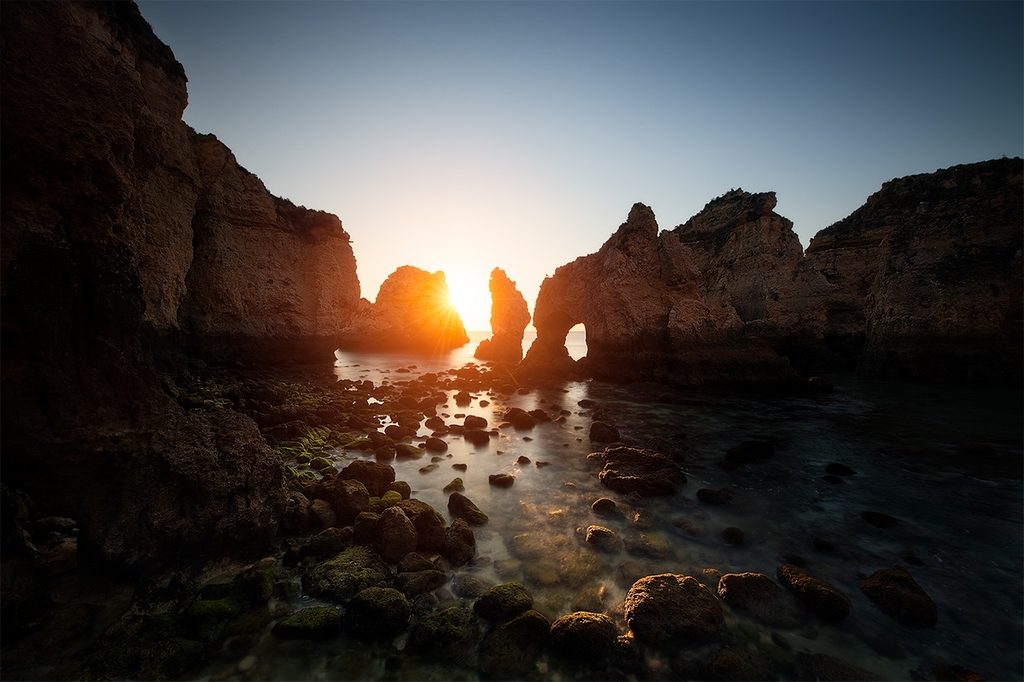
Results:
[945, 462]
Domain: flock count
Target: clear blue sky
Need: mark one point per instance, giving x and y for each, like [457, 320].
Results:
[463, 136]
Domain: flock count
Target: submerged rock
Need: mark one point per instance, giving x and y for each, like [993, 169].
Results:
[819, 596]
[645, 472]
[601, 432]
[664, 607]
[440, 631]
[896, 592]
[760, 596]
[509, 317]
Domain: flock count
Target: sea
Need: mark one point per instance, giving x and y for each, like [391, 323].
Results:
[945, 462]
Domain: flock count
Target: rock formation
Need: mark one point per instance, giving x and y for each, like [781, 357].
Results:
[679, 307]
[927, 275]
[924, 281]
[509, 317]
[412, 312]
[268, 279]
[125, 234]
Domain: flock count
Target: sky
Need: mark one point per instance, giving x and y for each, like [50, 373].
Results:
[462, 136]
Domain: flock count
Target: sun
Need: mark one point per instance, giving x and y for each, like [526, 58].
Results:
[470, 296]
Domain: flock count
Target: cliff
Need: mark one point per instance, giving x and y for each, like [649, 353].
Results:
[125, 234]
[412, 311]
[509, 317]
[923, 282]
[654, 308]
[928, 274]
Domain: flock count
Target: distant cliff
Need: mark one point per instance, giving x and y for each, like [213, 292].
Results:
[412, 311]
[922, 282]
[125, 237]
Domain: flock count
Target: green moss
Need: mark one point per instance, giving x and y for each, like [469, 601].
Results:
[441, 629]
[310, 623]
[214, 609]
[390, 499]
[352, 570]
[321, 463]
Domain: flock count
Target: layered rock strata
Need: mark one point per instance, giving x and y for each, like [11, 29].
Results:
[124, 234]
[927, 275]
[922, 282]
[509, 317]
[412, 311]
[687, 306]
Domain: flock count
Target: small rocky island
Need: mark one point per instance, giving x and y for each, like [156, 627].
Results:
[190, 489]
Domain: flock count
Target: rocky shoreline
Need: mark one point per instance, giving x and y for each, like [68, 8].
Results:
[163, 504]
[379, 562]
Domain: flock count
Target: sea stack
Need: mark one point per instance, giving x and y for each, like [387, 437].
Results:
[509, 317]
[412, 312]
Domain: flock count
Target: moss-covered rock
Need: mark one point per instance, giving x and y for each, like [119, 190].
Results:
[463, 508]
[442, 630]
[351, 571]
[510, 650]
[502, 602]
[583, 635]
[377, 612]
[312, 623]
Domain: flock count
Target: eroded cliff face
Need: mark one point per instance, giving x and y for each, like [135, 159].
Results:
[123, 234]
[412, 311]
[922, 282]
[509, 317]
[928, 273]
[275, 279]
[652, 310]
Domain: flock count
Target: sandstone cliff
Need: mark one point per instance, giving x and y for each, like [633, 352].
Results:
[927, 274]
[922, 282]
[412, 311]
[653, 309]
[125, 233]
[509, 317]
[266, 276]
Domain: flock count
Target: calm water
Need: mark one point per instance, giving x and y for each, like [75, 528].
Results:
[945, 462]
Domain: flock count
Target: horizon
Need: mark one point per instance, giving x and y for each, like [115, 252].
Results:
[437, 132]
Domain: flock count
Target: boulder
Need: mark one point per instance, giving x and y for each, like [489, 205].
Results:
[315, 622]
[438, 632]
[601, 432]
[416, 583]
[374, 475]
[430, 525]
[377, 612]
[760, 596]
[896, 592]
[348, 497]
[825, 600]
[511, 649]
[604, 539]
[352, 570]
[503, 602]
[583, 635]
[665, 607]
[645, 472]
[501, 480]
[460, 544]
[460, 506]
[397, 535]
